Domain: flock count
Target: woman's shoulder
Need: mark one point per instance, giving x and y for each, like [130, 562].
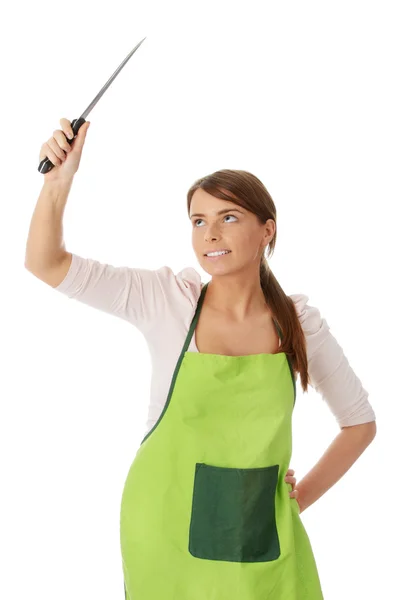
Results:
[315, 327]
[330, 371]
[309, 316]
[187, 280]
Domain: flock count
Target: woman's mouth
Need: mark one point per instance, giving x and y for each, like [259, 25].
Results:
[217, 255]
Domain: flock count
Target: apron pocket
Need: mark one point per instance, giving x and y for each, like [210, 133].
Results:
[233, 514]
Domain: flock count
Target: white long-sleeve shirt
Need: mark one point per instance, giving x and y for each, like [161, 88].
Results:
[162, 304]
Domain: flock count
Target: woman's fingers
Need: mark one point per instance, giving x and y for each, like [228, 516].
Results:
[66, 127]
[61, 139]
[59, 147]
[289, 476]
[53, 144]
[66, 156]
[294, 493]
[46, 150]
[291, 480]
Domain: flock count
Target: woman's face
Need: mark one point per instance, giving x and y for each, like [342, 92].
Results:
[236, 229]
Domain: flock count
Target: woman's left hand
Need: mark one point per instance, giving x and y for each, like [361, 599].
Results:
[295, 492]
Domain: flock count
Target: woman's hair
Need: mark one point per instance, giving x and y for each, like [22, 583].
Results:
[250, 193]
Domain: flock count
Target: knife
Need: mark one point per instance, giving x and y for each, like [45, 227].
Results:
[46, 165]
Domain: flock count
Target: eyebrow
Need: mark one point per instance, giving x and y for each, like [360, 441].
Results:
[220, 212]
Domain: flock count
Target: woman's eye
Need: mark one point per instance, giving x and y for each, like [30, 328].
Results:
[197, 220]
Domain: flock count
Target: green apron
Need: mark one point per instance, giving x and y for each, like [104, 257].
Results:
[205, 509]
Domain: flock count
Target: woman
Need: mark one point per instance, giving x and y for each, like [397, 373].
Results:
[208, 511]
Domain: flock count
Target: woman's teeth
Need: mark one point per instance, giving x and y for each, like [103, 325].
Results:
[213, 254]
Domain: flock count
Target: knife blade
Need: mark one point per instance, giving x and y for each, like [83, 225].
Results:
[46, 165]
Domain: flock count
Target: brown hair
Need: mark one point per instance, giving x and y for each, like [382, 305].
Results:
[250, 193]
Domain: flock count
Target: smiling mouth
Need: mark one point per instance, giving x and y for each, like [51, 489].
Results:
[218, 255]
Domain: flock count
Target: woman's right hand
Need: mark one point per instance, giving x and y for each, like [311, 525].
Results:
[64, 156]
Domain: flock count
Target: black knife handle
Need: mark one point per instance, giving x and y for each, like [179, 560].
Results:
[46, 165]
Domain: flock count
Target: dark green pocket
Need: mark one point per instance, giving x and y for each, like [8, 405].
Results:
[233, 514]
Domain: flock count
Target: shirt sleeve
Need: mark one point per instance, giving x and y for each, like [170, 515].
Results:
[330, 372]
[140, 296]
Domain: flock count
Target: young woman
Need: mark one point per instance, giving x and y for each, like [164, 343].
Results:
[208, 511]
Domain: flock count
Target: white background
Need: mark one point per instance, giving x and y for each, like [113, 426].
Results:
[303, 94]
